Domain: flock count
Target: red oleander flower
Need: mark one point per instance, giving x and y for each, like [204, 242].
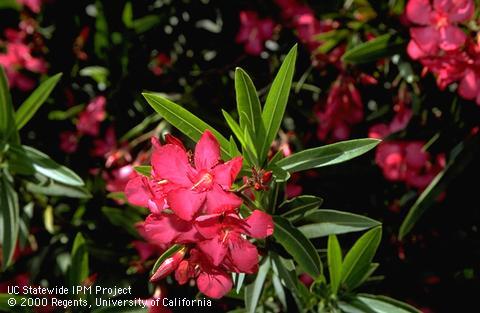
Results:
[438, 28]
[203, 186]
[254, 32]
[68, 141]
[89, 120]
[225, 239]
[342, 110]
[212, 281]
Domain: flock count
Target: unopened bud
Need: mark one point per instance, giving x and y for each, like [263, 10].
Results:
[267, 176]
[169, 265]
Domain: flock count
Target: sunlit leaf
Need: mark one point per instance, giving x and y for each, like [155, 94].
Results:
[372, 50]
[327, 155]
[254, 290]
[326, 222]
[358, 259]
[334, 256]
[298, 246]
[9, 220]
[277, 98]
[30, 106]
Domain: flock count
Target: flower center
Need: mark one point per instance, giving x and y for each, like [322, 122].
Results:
[440, 20]
[204, 181]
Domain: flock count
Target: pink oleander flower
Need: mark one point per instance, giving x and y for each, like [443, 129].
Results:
[225, 239]
[254, 32]
[33, 5]
[437, 30]
[108, 148]
[469, 87]
[118, 178]
[211, 280]
[447, 68]
[18, 56]
[201, 185]
[342, 110]
[407, 162]
[68, 141]
[89, 120]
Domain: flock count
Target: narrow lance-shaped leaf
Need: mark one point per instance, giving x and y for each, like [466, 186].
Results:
[49, 168]
[334, 256]
[254, 291]
[79, 268]
[358, 259]
[372, 50]
[248, 105]
[9, 220]
[327, 155]
[185, 121]
[296, 208]
[383, 304]
[30, 106]
[7, 115]
[276, 103]
[298, 246]
[461, 156]
[326, 222]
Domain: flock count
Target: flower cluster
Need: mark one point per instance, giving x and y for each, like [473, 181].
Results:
[406, 161]
[254, 32]
[21, 55]
[192, 204]
[442, 46]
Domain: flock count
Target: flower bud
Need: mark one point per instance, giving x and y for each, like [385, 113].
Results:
[169, 265]
[267, 176]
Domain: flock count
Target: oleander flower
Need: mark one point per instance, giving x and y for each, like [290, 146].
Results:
[89, 120]
[225, 239]
[437, 28]
[200, 186]
[254, 32]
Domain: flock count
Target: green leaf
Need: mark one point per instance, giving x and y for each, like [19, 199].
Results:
[9, 220]
[328, 222]
[279, 292]
[18, 162]
[358, 259]
[248, 106]
[63, 115]
[383, 304]
[185, 121]
[276, 103]
[461, 156]
[98, 73]
[7, 115]
[254, 291]
[79, 268]
[123, 218]
[10, 4]
[127, 15]
[298, 246]
[296, 208]
[52, 188]
[145, 170]
[145, 23]
[327, 155]
[239, 278]
[279, 173]
[370, 51]
[49, 168]
[141, 127]
[334, 256]
[30, 106]
[170, 251]
[236, 130]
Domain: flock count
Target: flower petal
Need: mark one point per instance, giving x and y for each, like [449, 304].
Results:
[219, 200]
[166, 228]
[185, 202]
[170, 162]
[457, 10]
[451, 38]
[243, 256]
[214, 285]
[260, 224]
[207, 152]
[418, 11]
[469, 86]
[214, 249]
[225, 174]
[208, 226]
[138, 192]
[427, 38]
